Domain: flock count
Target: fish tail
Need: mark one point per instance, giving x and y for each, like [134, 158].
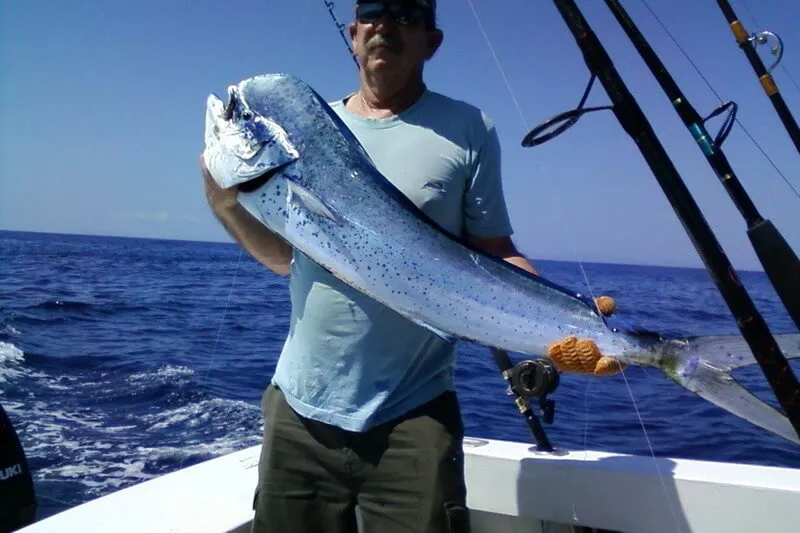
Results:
[704, 366]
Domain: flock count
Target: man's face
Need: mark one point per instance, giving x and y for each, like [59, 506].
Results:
[392, 35]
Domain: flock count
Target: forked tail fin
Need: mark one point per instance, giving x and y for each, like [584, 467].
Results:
[704, 365]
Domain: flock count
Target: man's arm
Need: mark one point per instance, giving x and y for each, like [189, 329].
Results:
[502, 247]
[265, 246]
[570, 354]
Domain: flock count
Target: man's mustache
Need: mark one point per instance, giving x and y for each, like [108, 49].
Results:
[390, 41]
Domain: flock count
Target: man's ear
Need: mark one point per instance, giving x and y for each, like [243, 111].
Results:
[435, 39]
[351, 28]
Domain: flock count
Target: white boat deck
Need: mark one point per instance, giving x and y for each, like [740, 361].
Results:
[511, 488]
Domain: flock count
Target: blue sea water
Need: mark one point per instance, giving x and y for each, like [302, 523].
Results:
[124, 359]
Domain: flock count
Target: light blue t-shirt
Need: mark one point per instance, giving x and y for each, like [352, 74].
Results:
[349, 360]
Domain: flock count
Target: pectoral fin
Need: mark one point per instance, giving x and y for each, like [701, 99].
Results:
[439, 333]
[304, 199]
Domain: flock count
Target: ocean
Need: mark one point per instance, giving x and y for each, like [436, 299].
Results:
[123, 359]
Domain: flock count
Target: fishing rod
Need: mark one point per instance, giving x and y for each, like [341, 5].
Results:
[534, 378]
[748, 43]
[780, 263]
[630, 116]
[341, 27]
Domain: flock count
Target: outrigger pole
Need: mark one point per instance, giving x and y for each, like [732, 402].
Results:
[630, 116]
[747, 44]
[778, 259]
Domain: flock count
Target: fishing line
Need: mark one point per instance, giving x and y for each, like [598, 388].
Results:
[224, 312]
[567, 229]
[708, 83]
[56, 500]
[550, 180]
[646, 373]
[525, 123]
[586, 426]
[499, 67]
[627, 384]
[204, 381]
[757, 25]
[625, 378]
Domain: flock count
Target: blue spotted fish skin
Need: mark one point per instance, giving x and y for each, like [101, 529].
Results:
[313, 184]
[332, 204]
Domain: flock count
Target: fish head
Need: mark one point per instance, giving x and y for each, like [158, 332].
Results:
[243, 144]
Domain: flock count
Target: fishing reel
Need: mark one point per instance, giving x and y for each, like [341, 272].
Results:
[536, 378]
[533, 378]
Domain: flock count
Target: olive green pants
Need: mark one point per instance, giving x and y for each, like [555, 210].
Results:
[405, 476]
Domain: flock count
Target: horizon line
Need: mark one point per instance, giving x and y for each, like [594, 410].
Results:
[231, 242]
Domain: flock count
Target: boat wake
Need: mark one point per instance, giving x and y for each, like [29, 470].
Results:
[88, 431]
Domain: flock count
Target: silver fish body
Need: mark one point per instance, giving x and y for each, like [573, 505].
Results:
[304, 175]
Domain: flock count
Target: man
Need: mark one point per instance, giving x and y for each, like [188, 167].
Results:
[362, 409]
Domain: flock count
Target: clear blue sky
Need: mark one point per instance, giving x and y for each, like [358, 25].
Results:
[101, 114]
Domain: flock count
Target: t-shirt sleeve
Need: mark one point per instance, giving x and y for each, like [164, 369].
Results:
[485, 210]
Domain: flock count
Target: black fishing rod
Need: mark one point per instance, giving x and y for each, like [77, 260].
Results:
[530, 379]
[630, 116]
[745, 42]
[780, 263]
[341, 27]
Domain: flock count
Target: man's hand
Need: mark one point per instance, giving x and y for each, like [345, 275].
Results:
[265, 246]
[568, 354]
[218, 198]
[503, 247]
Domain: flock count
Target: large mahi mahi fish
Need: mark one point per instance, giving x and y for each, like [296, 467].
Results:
[303, 174]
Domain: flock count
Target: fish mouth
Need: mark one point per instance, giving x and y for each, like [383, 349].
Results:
[236, 110]
[256, 183]
[241, 122]
[233, 103]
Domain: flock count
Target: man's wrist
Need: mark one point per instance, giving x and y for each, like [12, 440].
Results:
[228, 210]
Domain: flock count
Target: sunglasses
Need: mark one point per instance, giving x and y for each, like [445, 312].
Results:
[405, 13]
